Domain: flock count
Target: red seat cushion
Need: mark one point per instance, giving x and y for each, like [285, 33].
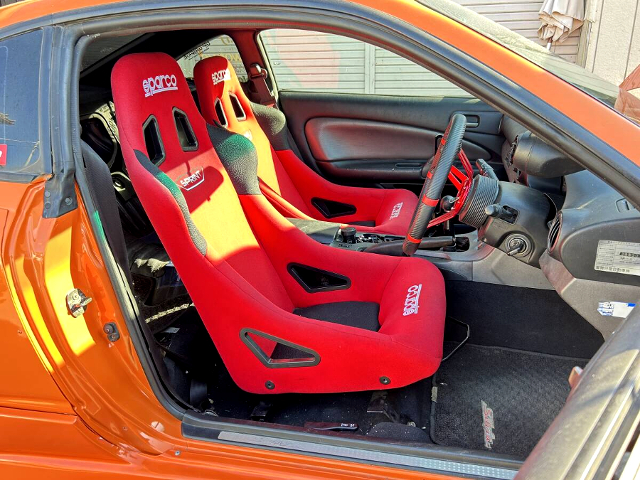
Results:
[234, 254]
[287, 181]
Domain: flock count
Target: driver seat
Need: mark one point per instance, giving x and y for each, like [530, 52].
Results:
[286, 313]
[290, 185]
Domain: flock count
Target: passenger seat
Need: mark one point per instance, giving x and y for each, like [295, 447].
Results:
[293, 188]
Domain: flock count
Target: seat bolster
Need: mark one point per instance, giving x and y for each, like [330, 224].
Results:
[375, 204]
[413, 308]
[155, 183]
[366, 200]
[396, 212]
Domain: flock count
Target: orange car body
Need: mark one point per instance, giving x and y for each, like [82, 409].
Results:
[73, 402]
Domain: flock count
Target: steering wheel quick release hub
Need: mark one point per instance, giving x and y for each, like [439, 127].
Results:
[483, 192]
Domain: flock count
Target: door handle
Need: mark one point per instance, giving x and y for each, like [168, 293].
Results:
[473, 121]
[409, 164]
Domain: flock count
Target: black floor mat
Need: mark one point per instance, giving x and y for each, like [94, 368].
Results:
[517, 393]
[521, 318]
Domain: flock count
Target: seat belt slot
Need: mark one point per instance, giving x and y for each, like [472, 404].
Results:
[258, 76]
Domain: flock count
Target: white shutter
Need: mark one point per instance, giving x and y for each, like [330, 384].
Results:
[521, 16]
[312, 61]
[395, 75]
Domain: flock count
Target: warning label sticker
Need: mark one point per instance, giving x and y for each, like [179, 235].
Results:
[615, 309]
[618, 257]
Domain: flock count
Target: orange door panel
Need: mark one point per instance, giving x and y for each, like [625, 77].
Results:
[25, 379]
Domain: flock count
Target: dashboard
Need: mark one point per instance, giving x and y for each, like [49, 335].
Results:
[592, 251]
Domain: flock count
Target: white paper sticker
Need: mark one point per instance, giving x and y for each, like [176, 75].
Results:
[618, 257]
[615, 309]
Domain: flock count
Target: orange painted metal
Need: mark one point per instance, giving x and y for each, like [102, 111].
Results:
[116, 426]
[36, 445]
[29, 385]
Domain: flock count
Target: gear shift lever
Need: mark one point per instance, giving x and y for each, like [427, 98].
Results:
[348, 234]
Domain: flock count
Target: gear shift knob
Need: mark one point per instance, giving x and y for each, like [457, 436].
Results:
[348, 234]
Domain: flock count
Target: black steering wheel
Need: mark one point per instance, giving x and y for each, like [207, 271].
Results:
[434, 182]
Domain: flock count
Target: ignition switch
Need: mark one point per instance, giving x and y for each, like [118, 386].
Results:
[517, 246]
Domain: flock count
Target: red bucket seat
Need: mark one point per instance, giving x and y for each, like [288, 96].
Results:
[291, 186]
[286, 313]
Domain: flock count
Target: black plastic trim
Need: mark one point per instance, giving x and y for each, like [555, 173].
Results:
[59, 190]
[333, 209]
[269, 362]
[153, 122]
[188, 130]
[296, 270]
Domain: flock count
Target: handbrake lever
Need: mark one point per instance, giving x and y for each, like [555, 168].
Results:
[394, 248]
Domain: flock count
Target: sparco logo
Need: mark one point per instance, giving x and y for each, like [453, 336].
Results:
[220, 76]
[411, 302]
[192, 181]
[161, 83]
[396, 210]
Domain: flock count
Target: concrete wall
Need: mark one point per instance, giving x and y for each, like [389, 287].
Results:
[613, 42]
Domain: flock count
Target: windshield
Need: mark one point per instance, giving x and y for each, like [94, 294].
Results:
[574, 74]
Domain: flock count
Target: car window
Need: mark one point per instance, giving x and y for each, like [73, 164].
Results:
[312, 61]
[222, 46]
[574, 74]
[21, 152]
[102, 47]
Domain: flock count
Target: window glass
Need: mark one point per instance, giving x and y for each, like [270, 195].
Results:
[578, 76]
[20, 116]
[313, 61]
[222, 46]
[102, 47]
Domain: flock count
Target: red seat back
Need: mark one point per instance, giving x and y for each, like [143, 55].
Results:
[157, 117]
[222, 100]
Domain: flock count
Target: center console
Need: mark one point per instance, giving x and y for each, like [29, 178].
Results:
[476, 261]
[349, 238]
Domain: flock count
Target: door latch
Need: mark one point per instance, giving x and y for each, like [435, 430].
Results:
[77, 302]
